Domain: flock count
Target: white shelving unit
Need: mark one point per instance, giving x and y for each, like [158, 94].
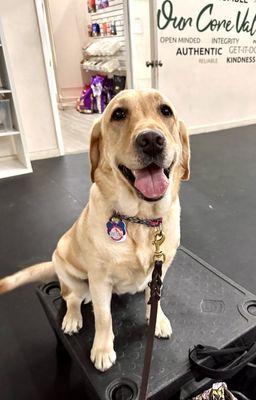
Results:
[16, 161]
[114, 12]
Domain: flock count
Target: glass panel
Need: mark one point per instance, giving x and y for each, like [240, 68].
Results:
[208, 51]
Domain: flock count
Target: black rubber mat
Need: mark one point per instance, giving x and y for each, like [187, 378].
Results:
[218, 223]
[204, 307]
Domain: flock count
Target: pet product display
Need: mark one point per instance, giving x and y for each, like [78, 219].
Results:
[89, 30]
[91, 6]
[111, 65]
[95, 29]
[113, 30]
[84, 104]
[5, 115]
[103, 47]
[102, 65]
[108, 89]
[119, 83]
[96, 96]
[101, 4]
[105, 28]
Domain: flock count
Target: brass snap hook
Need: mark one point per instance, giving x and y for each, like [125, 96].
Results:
[158, 241]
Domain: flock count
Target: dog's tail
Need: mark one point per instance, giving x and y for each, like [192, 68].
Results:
[38, 272]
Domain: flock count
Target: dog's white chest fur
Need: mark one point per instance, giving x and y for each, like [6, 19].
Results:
[133, 260]
[137, 284]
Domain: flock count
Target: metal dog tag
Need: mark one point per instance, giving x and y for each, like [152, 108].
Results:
[116, 229]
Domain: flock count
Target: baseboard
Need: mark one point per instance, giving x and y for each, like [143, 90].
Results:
[196, 130]
[66, 105]
[39, 155]
[68, 98]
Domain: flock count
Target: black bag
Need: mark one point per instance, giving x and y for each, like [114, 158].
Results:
[118, 83]
[221, 363]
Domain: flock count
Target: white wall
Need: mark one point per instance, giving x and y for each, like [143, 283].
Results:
[69, 20]
[6, 146]
[20, 27]
[140, 43]
[209, 96]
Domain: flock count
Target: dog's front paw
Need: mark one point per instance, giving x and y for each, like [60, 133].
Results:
[103, 358]
[163, 327]
[72, 322]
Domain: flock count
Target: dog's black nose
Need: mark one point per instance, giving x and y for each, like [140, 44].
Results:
[150, 142]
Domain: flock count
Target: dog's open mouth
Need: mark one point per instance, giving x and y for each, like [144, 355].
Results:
[150, 183]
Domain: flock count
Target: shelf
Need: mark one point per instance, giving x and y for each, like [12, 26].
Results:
[11, 166]
[14, 159]
[102, 70]
[9, 133]
[3, 90]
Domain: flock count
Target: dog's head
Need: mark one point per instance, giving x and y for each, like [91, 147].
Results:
[140, 141]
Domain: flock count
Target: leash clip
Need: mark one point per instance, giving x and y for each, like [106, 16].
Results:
[157, 242]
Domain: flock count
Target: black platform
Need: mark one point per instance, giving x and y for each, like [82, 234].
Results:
[204, 307]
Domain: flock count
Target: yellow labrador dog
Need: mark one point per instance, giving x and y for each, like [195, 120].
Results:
[139, 154]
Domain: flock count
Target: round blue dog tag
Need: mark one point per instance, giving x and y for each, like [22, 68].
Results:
[116, 229]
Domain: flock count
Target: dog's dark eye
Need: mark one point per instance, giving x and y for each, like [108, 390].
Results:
[166, 110]
[119, 114]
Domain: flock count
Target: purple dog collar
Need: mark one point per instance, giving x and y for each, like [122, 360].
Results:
[151, 223]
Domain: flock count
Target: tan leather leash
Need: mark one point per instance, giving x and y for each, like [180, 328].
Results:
[155, 295]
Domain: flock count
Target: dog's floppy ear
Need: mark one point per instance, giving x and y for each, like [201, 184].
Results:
[95, 146]
[185, 162]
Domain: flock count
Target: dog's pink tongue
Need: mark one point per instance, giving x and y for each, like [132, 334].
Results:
[151, 181]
